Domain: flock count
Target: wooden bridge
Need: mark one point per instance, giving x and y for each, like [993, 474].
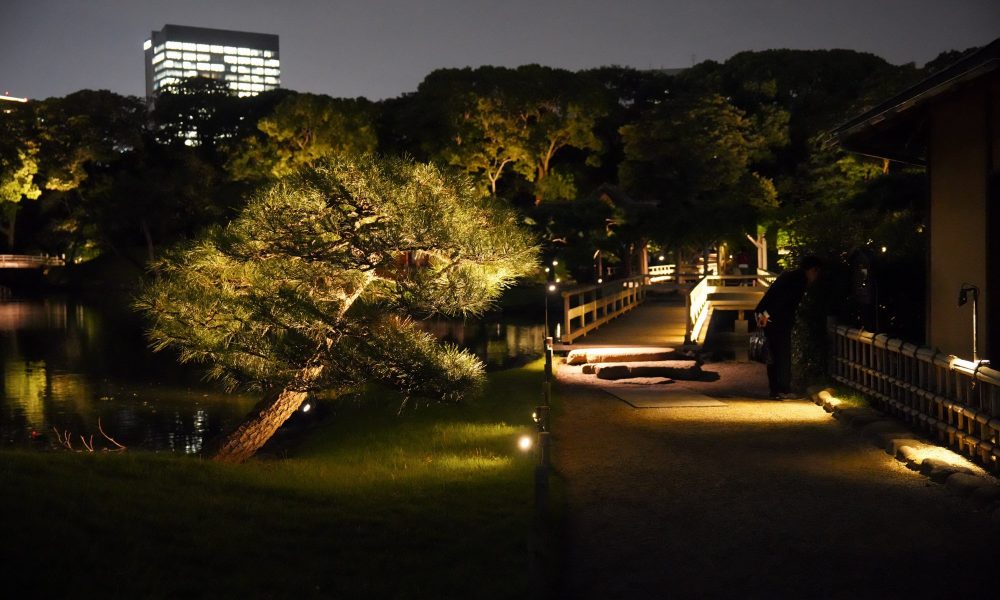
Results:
[668, 308]
[29, 261]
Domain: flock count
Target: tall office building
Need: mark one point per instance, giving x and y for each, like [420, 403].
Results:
[247, 62]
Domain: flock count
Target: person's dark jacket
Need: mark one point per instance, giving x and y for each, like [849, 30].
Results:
[783, 297]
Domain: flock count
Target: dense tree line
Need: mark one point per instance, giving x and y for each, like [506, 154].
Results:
[602, 160]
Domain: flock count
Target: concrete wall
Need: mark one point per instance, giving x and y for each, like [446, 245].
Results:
[993, 227]
[959, 163]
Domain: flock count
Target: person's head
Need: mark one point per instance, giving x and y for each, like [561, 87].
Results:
[811, 266]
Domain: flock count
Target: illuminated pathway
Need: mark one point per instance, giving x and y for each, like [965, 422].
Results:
[751, 499]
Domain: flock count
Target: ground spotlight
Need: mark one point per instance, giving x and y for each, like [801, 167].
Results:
[524, 443]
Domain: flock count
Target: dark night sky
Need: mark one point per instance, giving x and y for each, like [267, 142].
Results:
[381, 48]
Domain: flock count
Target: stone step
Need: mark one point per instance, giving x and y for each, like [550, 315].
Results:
[620, 355]
[671, 369]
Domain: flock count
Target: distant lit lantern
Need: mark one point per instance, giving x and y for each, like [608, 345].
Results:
[524, 443]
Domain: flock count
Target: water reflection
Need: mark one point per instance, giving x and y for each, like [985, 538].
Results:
[70, 365]
[499, 345]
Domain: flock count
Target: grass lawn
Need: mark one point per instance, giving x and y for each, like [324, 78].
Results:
[436, 503]
[851, 398]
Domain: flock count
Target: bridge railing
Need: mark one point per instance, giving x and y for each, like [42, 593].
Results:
[954, 400]
[30, 260]
[669, 273]
[727, 292]
[586, 308]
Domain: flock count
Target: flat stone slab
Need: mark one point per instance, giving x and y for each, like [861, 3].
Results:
[637, 397]
[964, 484]
[986, 494]
[619, 355]
[894, 446]
[938, 469]
[671, 369]
[646, 381]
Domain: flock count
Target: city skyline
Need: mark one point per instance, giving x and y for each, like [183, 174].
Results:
[385, 48]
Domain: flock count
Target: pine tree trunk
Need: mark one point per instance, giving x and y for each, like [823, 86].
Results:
[270, 413]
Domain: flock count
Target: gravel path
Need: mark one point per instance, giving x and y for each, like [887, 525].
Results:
[756, 499]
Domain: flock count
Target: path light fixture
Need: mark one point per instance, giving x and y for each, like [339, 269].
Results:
[541, 417]
[550, 288]
[963, 298]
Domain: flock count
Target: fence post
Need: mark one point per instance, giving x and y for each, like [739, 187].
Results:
[688, 324]
[566, 319]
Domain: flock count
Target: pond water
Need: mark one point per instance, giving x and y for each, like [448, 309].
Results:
[78, 366]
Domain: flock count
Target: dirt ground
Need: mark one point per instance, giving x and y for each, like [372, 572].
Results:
[756, 499]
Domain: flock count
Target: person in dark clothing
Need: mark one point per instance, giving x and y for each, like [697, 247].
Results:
[776, 314]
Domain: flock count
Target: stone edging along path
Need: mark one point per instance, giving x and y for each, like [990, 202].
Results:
[960, 475]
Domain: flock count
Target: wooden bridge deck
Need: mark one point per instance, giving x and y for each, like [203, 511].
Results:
[659, 321]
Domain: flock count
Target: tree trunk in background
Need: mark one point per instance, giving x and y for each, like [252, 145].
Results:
[8, 230]
[149, 240]
[270, 413]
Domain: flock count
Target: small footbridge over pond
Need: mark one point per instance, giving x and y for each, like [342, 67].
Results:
[29, 261]
[18, 271]
[657, 309]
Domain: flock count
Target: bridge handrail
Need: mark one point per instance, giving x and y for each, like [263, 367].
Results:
[587, 307]
[700, 302]
[669, 273]
[49, 261]
[953, 400]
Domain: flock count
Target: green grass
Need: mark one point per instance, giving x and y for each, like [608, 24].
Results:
[851, 398]
[436, 503]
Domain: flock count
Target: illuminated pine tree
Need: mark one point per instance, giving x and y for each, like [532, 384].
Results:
[311, 287]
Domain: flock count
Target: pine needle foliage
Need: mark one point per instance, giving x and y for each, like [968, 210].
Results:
[314, 284]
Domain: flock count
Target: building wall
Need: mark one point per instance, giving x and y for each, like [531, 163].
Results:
[959, 150]
[993, 227]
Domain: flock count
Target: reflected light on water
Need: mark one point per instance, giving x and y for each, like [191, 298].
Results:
[499, 345]
[66, 365]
